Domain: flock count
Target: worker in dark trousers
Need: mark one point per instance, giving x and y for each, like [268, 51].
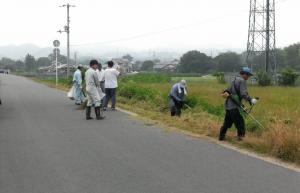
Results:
[234, 96]
[178, 92]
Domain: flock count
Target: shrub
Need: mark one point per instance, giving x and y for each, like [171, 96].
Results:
[220, 77]
[133, 91]
[146, 78]
[288, 77]
[263, 79]
[209, 108]
[191, 101]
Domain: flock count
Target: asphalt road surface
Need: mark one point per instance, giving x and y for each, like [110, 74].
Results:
[46, 146]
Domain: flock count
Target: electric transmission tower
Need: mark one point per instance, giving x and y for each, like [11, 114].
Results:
[261, 46]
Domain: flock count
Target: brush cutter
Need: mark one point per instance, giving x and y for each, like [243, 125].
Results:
[187, 106]
[248, 111]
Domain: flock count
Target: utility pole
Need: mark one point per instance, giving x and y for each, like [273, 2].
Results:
[75, 58]
[261, 46]
[67, 30]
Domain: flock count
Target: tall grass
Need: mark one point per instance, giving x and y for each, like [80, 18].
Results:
[146, 78]
[278, 110]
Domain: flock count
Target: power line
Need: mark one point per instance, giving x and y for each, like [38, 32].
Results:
[160, 31]
[138, 36]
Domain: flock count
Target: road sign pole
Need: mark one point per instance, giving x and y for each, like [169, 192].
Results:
[56, 51]
[56, 73]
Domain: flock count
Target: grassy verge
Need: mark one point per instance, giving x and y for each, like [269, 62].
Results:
[278, 110]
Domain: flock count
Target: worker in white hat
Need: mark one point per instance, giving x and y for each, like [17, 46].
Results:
[177, 95]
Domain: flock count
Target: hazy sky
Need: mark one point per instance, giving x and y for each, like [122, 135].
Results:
[207, 24]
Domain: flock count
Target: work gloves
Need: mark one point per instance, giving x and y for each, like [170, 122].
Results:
[253, 101]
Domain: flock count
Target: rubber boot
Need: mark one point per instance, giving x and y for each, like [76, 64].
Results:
[88, 113]
[222, 134]
[98, 113]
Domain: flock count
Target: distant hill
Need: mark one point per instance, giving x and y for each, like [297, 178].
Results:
[104, 52]
[19, 51]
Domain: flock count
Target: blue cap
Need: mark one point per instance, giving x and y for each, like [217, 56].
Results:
[247, 70]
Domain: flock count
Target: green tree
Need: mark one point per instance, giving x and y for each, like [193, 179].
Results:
[8, 63]
[61, 58]
[292, 56]
[128, 57]
[43, 61]
[263, 78]
[288, 77]
[228, 62]
[30, 63]
[280, 59]
[196, 62]
[137, 65]
[147, 65]
[20, 65]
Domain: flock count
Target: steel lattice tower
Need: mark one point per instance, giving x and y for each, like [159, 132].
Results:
[261, 36]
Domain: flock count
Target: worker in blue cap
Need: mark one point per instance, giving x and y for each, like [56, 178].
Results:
[234, 96]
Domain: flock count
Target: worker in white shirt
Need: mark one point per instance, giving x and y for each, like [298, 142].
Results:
[111, 84]
[100, 73]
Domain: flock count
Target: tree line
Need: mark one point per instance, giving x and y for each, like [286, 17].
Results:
[30, 63]
[195, 61]
[191, 62]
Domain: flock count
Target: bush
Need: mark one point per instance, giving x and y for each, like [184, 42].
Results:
[191, 101]
[146, 78]
[288, 77]
[220, 77]
[133, 91]
[263, 79]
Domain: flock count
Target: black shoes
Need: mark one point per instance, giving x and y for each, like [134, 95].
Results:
[88, 113]
[222, 134]
[98, 113]
[221, 138]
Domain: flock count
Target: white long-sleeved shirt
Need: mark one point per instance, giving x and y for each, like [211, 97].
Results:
[111, 78]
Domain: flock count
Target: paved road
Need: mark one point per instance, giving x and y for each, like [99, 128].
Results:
[46, 146]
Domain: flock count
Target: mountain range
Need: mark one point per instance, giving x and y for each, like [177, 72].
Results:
[20, 51]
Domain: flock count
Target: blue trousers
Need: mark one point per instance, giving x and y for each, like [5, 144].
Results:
[110, 94]
[79, 97]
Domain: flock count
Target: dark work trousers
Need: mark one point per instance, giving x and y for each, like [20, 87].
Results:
[102, 86]
[233, 117]
[110, 94]
[175, 107]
